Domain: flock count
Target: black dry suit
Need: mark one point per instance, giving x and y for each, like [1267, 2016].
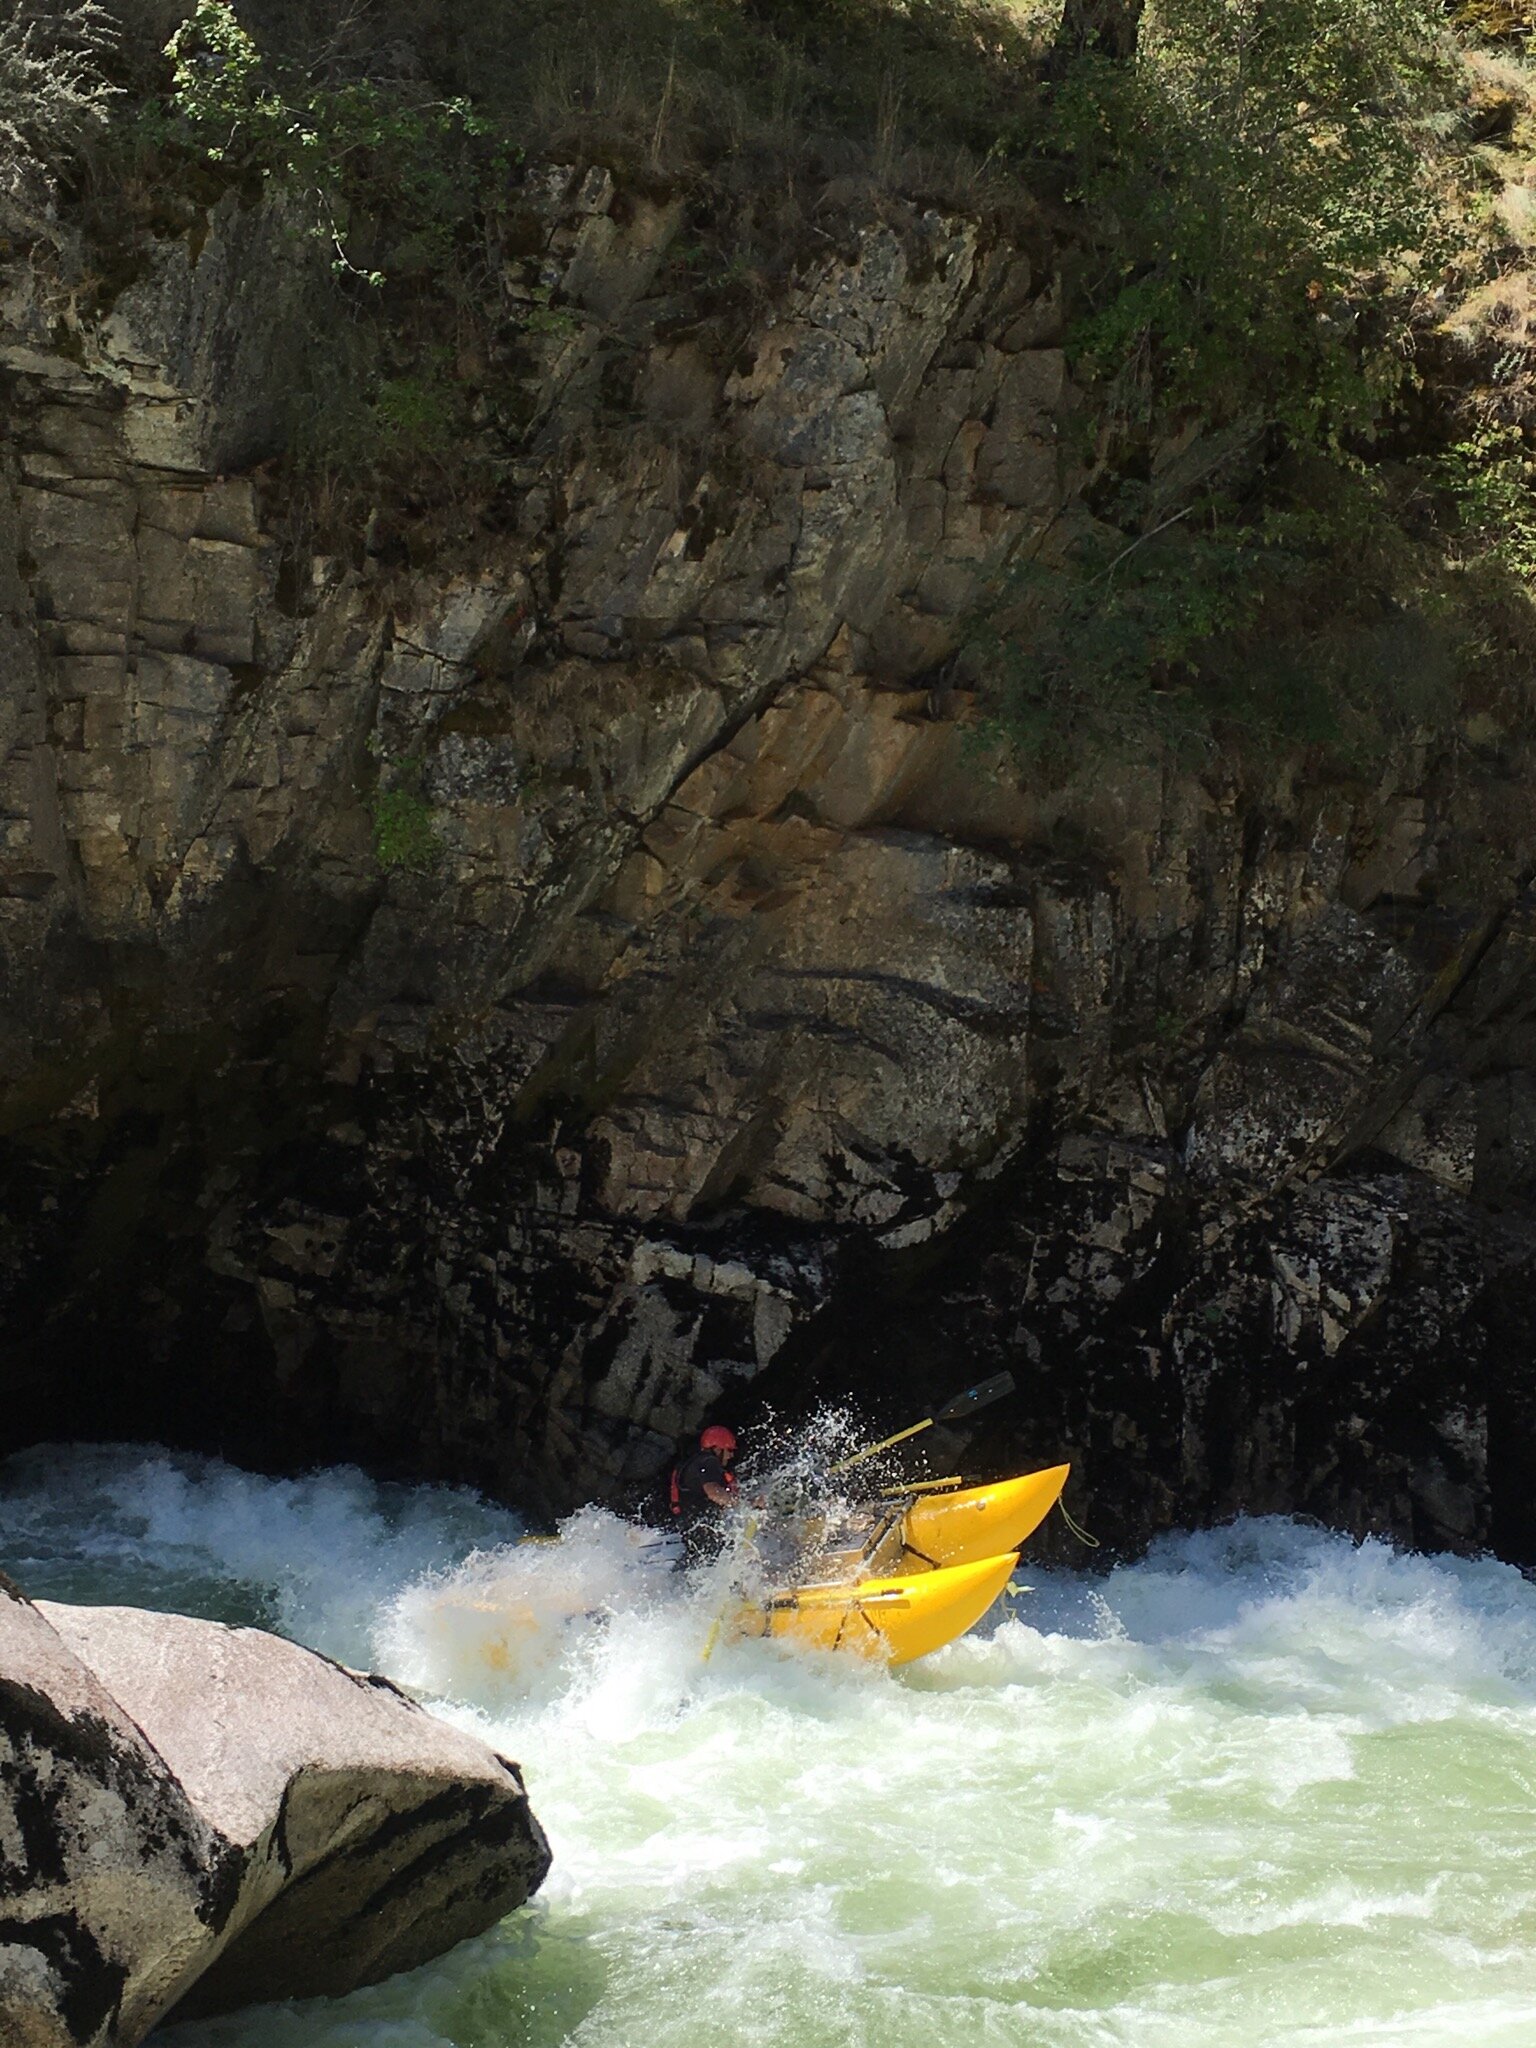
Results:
[694, 1515]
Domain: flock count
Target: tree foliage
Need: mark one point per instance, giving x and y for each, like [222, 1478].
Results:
[1262, 180]
[1264, 195]
[369, 155]
[1490, 479]
[397, 181]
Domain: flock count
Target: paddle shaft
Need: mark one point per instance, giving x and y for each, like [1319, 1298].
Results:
[889, 1443]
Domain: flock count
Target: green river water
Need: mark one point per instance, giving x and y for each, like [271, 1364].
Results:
[1266, 1787]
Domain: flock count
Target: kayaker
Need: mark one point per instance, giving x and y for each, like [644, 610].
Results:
[703, 1486]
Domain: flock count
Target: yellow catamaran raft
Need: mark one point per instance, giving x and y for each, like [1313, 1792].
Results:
[928, 1571]
[896, 1581]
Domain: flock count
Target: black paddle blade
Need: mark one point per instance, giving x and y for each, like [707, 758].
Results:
[977, 1397]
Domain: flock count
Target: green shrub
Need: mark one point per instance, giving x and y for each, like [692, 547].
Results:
[53, 88]
[1100, 652]
[405, 833]
[387, 163]
[686, 84]
[1490, 478]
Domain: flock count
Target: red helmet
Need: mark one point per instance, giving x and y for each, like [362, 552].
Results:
[717, 1438]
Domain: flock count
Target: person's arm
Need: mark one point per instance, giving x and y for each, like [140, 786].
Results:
[720, 1495]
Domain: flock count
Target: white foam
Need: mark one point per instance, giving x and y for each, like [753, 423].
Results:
[322, 1553]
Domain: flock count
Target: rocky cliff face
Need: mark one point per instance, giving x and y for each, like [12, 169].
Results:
[491, 1011]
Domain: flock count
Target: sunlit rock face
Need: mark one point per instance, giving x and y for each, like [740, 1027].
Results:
[196, 1817]
[490, 1013]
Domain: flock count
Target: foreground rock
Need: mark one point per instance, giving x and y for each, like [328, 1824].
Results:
[198, 1817]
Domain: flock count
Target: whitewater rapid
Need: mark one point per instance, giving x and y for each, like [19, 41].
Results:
[1265, 1789]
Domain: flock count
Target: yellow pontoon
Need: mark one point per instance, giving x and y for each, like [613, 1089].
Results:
[891, 1619]
[974, 1522]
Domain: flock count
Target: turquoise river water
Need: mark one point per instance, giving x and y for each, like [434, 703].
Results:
[1265, 1789]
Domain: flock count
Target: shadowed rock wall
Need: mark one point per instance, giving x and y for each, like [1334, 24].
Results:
[744, 1030]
